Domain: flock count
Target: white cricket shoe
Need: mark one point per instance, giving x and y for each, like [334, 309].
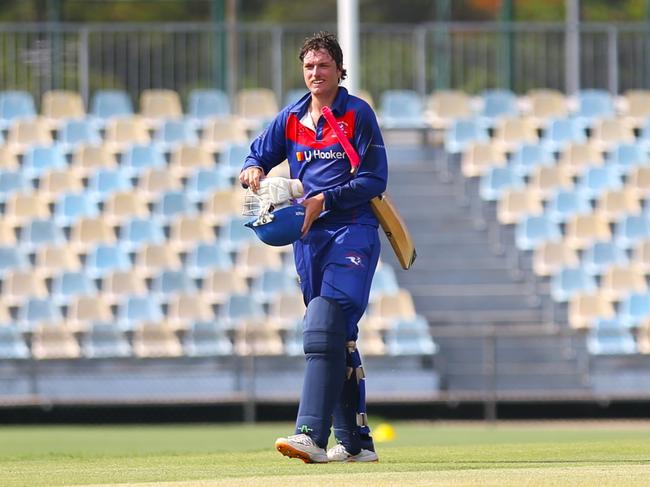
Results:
[303, 447]
[338, 453]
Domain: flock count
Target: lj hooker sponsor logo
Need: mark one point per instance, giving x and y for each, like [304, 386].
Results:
[308, 155]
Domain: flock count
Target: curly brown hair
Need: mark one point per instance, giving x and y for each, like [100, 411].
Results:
[328, 42]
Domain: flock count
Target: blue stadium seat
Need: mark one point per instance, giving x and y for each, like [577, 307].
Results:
[13, 182]
[294, 95]
[383, 282]
[609, 337]
[240, 309]
[561, 132]
[497, 104]
[570, 281]
[462, 133]
[272, 283]
[593, 104]
[105, 340]
[401, 109]
[139, 231]
[70, 207]
[625, 157]
[12, 258]
[595, 180]
[631, 229]
[107, 104]
[527, 157]
[104, 182]
[172, 204]
[140, 157]
[15, 105]
[533, 230]
[39, 159]
[232, 158]
[38, 233]
[206, 257]
[410, 337]
[203, 182]
[233, 234]
[173, 133]
[74, 133]
[70, 284]
[206, 339]
[35, 311]
[498, 179]
[135, 310]
[565, 203]
[169, 282]
[599, 256]
[104, 259]
[12, 344]
[206, 104]
[634, 309]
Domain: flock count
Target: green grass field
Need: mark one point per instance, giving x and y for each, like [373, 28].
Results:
[441, 454]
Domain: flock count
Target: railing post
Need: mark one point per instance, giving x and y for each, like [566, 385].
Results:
[276, 68]
[612, 59]
[420, 61]
[82, 66]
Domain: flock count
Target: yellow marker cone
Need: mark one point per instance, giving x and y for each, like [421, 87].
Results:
[383, 433]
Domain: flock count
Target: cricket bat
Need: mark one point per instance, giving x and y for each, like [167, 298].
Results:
[389, 218]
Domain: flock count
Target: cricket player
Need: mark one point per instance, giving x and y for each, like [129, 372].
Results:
[338, 252]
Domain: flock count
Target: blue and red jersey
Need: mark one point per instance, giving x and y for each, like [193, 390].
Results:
[319, 161]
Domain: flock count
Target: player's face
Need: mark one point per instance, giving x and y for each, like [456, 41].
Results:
[320, 72]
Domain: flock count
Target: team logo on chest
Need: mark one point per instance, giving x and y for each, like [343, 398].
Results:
[318, 154]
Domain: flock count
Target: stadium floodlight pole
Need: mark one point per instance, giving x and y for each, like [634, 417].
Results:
[572, 49]
[348, 35]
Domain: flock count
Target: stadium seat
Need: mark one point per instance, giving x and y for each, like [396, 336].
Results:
[233, 234]
[626, 156]
[256, 106]
[478, 157]
[15, 105]
[185, 309]
[219, 284]
[293, 95]
[51, 260]
[532, 231]
[186, 230]
[90, 232]
[155, 340]
[12, 182]
[610, 132]
[634, 308]
[516, 204]
[497, 104]
[12, 344]
[54, 341]
[18, 285]
[442, 107]
[232, 158]
[87, 159]
[12, 258]
[172, 204]
[171, 134]
[586, 309]
[571, 281]
[218, 133]
[565, 203]
[74, 133]
[252, 259]
[496, 180]
[7, 234]
[71, 207]
[105, 258]
[58, 106]
[551, 256]
[105, 340]
[67, 285]
[270, 283]
[462, 133]
[206, 104]
[636, 107]
[240, 309]
[583, 230]
[56, 182]
[133, 311]
[8, 160]
[206, 257]
[390, 307]
[39, 233]
[21, 208]
[639, 179]
[643, 337]
[140, 157]
[547, 180]
[38, 310]
[401, 110]
[527, 157]
[615, 204]
[576, 158]
[410, 337]
[203, 182]
[608, 337]
[256, 339]
[25, 133]
[122, 132]
[510, 133]
[560, 132]
[599, 256]
[631, 229]
[107, 104]
[591, 105]
[542, 105]
[286, 310]
[383, 282]
[206, 339]
[223, 204]
[120, 284]
[37, 159]
[124, 205]
[153, 258]
[155, 181]
[137, 232]
[641, 255]
[83, 311]
[620, 281]
[186, 159]
[166, 283]
[157, 105]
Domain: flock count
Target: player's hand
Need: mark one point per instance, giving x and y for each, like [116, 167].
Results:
[313, 208]
[251, 177]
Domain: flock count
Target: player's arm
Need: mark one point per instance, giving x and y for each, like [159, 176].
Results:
[267, 151]
[372, 174]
